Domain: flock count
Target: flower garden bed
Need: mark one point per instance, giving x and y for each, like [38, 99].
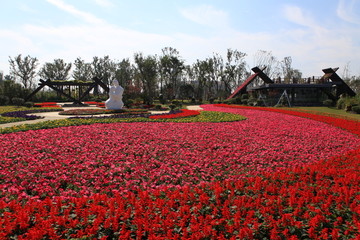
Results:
[47, 105]
[272, 176]
[25, 114]
[183, 113]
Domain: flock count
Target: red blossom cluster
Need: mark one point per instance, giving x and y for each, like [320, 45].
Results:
[181, 114]
[46, 104]
[347, 124]
[255, 179]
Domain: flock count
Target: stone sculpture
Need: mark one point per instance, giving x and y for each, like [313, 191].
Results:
[115, 97]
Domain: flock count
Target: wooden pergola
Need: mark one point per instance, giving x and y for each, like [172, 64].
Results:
[65, 88]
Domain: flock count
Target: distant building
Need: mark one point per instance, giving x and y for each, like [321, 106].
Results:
[294, 92]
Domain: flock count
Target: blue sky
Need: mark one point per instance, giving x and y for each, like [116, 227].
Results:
[316, 34]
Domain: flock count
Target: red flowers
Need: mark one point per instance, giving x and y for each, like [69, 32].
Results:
[46, 104]
[258, 178]
[180, 114]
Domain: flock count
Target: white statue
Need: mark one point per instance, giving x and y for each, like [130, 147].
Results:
[115, 97]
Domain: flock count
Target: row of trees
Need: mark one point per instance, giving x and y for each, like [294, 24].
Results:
[166, 75]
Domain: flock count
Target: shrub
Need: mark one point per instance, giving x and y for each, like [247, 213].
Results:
[340, 104]
[172, 106]
[28, 104]
[232, 101]
[356, 109]
[251, 101]
[18, 101]
[4, 100]
[244, 96]
[328, 103]
[128, 103]
[162, 99]
[158, 107]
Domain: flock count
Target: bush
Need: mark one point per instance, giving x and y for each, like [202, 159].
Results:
[340, 104]
[244, 96]
[29, 104]
[172, 107]
[177, 103]
[232, 101]
[4, 100]
[162, 100]
[328, 103]
[356, 109]
[251, 101]
[18, 101]
[158, 107]
[128, 103]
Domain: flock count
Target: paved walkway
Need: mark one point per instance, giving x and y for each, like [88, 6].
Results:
[48, 116]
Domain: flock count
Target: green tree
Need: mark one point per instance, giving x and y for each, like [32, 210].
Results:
[58, 70]
[24, 69]
[104, 68]
[288, 71]
[354, 83]
[147, 70]
[171, 67]
[199, 72]
[11, 89]
[125, 74]
[82, 71]
[268, 60]
[235, 70]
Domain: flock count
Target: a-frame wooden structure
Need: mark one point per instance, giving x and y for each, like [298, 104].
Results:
[257, 73]
[330, 73]
[83, 88]
[300, 91]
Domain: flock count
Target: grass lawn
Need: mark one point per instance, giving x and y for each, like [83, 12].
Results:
[326, 110]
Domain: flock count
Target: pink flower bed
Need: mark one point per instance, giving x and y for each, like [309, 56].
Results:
[117, 158]
[317, 200]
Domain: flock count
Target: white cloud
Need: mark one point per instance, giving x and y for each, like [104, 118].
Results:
[87, 41]
[88, 17]
[298, 16]
[206, 15]
[311, 46]
[348, 10]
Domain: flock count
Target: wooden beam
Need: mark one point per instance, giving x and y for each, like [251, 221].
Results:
[41, 85]
[343, 87]
[61, 92]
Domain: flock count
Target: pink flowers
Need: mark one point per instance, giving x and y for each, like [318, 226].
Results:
[272, 176]
[112, 158]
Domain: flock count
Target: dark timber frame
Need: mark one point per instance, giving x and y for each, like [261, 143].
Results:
[58, 86]
[300, 92]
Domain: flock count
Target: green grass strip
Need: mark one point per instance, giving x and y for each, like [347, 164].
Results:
[204, 116]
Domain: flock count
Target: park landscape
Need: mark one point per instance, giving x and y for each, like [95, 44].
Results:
[245, 125]
[223, 172]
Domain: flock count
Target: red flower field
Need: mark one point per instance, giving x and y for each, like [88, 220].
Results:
[272, 176]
